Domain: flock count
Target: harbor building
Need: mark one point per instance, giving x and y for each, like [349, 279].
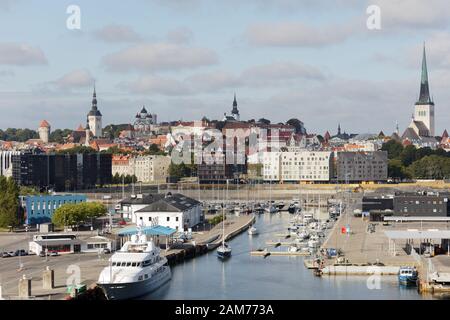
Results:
[68, 243]
[422, 204]
[39, 209]
[174, 211]
[362, 166]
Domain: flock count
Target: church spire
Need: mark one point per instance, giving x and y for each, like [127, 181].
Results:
[424, 97]
[94, 99]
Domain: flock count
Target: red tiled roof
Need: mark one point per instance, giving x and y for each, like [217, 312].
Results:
[44, 124]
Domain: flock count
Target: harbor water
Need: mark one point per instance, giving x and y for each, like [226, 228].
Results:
[275, 277]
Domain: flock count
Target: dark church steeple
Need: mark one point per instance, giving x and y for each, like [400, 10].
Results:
[424, 97]
[235, 111]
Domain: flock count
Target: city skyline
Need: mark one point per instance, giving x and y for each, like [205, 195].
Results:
[185, 59]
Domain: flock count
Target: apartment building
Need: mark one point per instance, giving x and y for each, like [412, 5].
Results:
[308, 166]
[362, 166]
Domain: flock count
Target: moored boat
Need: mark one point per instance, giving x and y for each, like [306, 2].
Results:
[408, 276]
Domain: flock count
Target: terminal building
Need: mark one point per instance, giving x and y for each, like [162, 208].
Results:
[68, 243]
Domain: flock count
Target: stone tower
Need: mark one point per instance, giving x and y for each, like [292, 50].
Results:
[44, 131]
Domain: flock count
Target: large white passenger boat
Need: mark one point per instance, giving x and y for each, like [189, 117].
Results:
[135, 270]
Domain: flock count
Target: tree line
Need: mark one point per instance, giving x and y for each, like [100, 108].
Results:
[74, 214]
[412, 163]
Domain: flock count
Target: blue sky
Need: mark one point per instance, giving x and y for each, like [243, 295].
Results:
[183, 59]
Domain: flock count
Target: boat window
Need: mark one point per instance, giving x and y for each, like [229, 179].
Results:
[140, 278]
[113, 264]
[124, 264]
[133, 264]
[128, 264]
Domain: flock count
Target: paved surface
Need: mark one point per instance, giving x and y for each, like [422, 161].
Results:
[90, 266]
[361, 247]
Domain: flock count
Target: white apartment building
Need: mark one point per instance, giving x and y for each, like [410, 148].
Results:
[298, 166]
[271, 166]
[151, 168]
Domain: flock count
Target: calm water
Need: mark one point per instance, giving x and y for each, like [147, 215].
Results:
[246, 277]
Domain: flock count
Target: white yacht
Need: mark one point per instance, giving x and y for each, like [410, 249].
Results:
[135, 270]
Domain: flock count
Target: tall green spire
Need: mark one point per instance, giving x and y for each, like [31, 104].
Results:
[424, 97]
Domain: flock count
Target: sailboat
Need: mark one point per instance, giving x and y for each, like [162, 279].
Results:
[224, 251]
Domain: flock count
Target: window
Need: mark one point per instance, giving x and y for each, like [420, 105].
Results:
[168, 219]
[176, 219]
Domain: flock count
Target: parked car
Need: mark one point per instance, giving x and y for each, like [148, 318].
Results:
[53, 254]
[21, 252]
[42, 254]
[12, 253]
[106, 251]
[5, 255]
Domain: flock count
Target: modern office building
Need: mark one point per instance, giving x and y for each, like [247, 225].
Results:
[40, 208]
[62, 172]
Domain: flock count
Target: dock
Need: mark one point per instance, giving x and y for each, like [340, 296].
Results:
[279, 253]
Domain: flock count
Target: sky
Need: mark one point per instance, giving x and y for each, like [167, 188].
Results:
[184, 59]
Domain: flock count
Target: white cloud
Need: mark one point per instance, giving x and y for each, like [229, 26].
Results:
[156, 85]
[281, 71]
[413, 13]
[117, 33]
[75, 79]
[159, 56]
[181, 35]
[296, 34]
[271, 75]
[21, 55]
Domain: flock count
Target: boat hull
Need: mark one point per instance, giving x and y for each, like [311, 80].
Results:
[125, 291]
[408, 280]
[223, 254]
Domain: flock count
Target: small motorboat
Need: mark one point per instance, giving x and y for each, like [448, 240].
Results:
[252, 231]
[271, 209]
[408, 276]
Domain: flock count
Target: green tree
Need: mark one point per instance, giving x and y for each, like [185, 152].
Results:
[431, 167]
[9, 202]
[393, 148]
[78, 149]
[73, 214]
[408, 155]
[58, 135]
[396, 170]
